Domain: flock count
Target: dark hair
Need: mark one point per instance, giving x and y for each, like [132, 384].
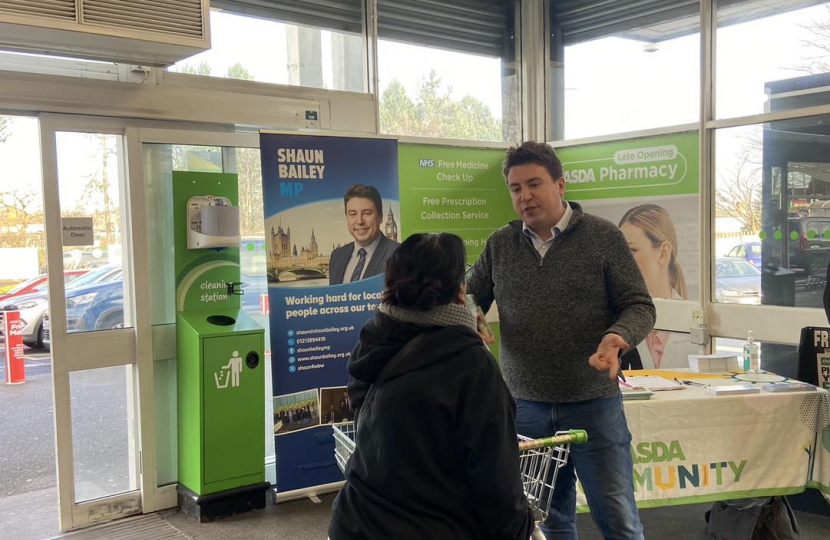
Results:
[536, 154]
[425, 271]
[364, 192]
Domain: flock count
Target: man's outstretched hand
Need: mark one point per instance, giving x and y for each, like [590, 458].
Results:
[607, 357]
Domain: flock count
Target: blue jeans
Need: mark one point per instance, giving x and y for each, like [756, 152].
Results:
[603, 464]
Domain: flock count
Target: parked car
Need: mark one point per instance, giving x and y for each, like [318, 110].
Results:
[32, 307]
[101, 307]
[749, 251]
[810, 249]
[38, 284]
[737, 281]
[93, 307]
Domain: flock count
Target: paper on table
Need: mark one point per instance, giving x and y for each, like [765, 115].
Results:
[730, 389]
[655, 384]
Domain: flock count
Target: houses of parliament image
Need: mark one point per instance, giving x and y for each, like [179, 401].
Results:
[288, 263]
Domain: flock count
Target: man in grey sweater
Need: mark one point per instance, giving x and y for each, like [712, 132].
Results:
[571, 299]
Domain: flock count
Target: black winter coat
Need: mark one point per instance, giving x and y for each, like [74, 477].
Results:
[436, 450]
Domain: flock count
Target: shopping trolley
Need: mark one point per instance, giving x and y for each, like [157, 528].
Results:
[539, 463]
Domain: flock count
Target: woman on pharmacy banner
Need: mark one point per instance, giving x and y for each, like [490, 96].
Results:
[651, 235]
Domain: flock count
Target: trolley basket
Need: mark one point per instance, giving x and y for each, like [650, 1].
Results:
[539, 462]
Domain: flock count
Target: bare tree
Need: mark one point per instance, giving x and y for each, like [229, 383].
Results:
[19, 211]
[250, 191]
[738, 194]
[98, 195]
[818, 42]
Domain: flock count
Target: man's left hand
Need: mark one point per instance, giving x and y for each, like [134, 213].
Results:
[607, 357]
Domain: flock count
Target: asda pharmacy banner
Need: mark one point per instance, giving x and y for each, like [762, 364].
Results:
[331, 222]
[649, 187]
[456, 190]
[665, 165]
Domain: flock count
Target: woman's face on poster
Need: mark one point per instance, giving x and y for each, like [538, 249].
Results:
[653, 261]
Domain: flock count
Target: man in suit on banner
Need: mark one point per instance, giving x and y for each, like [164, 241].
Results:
[367, 255]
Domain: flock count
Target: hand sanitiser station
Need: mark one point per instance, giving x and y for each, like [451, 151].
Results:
[213, 222]
[220, 355]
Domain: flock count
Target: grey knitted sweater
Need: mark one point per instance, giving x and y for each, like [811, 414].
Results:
[554, 311]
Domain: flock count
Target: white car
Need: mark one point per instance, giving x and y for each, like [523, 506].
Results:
[32, 307]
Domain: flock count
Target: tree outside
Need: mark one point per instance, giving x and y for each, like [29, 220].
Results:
[202, 69]
[5, 131]
[250, 192]
[21, 220]
[817, 42]
[238, 71]
[100, 194]
[739, 187]
[435, 113]
[21, 210]
[738, 193]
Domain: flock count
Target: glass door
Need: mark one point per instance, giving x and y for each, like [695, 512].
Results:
[92, 321]
[164, 152]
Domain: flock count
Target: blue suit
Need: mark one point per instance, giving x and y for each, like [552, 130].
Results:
[376, 265]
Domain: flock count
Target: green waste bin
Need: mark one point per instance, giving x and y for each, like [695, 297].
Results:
[221, 413]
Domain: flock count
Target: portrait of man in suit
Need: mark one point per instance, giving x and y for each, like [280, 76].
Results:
[367, 255]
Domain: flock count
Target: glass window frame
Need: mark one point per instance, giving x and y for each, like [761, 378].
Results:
[517, 64]
[773, 324]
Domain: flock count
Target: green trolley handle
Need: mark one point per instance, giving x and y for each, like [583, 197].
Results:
[574, 436]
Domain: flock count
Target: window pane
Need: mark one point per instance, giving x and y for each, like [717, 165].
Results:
[774, 357]
[28, 497]
[772, 56]
[630, 69]
[266, 50]
[160, 160]
[102, 433]
[454, 92]
[90, 175]
[770, 191]
[252, 262]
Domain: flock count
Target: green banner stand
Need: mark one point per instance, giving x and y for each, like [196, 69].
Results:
[220, 352]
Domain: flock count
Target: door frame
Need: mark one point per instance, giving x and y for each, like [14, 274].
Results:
[158, 342]
[94, 350]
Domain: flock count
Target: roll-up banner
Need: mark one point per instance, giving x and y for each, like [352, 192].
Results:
[332, 219]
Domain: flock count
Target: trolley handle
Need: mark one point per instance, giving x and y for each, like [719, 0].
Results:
[574, 436]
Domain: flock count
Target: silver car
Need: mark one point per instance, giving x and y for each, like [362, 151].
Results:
[32, 307]
[737, 281]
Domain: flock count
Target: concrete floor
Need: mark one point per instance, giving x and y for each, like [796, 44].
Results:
[305, 520]
[34, 517]
[29, 516]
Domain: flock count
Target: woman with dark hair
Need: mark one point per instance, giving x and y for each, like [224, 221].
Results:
[436, 452]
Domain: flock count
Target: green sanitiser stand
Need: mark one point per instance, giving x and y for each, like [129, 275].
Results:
[221, 355]
[221, 416]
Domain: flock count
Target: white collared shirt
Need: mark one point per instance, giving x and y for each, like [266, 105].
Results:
[542, 246]
[370, 250]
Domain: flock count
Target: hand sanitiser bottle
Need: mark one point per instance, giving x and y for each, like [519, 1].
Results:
[751, 358]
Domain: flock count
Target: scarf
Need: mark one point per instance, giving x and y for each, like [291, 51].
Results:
[446, 315]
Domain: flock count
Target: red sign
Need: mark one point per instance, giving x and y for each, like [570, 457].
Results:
[264, 305]
[12, 328]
